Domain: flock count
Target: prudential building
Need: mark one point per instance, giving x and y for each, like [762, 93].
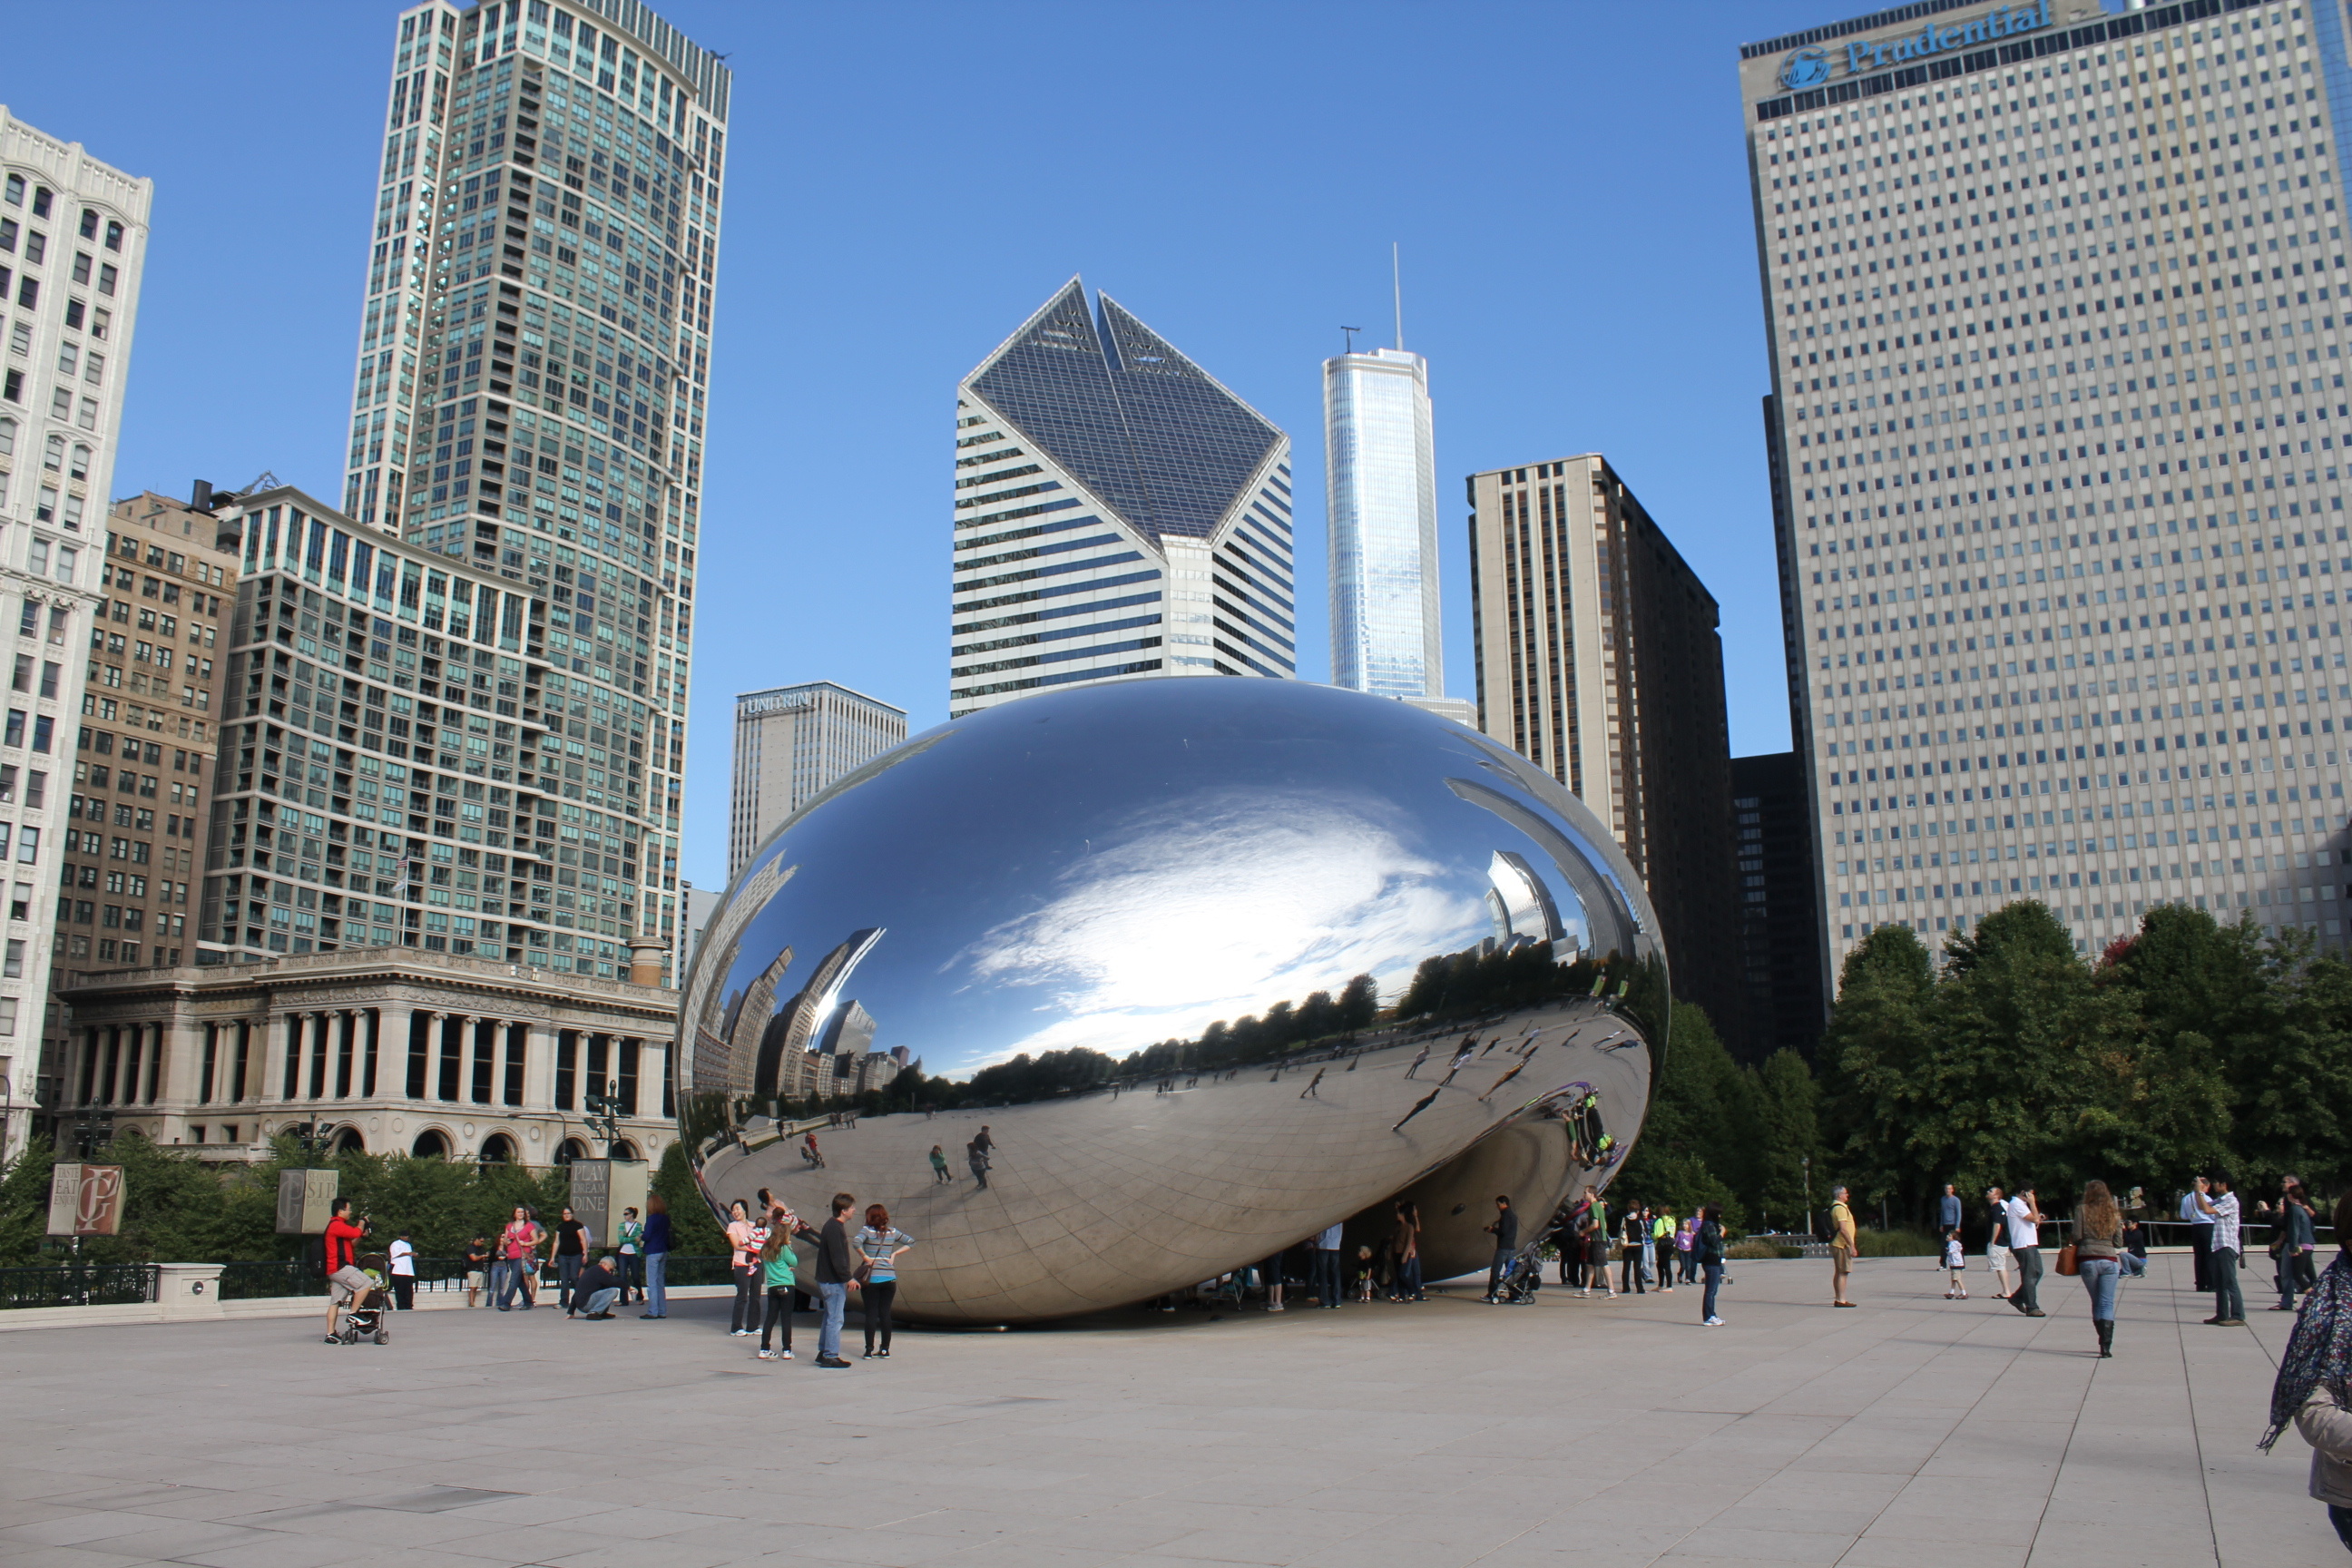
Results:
[2057, 300]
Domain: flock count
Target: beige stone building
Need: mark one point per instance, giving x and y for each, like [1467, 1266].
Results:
[380, 1048]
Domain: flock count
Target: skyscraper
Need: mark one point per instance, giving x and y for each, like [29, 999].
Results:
[1117, 512]
[2054, 301]
[1597, 660]
[1780, 958]
[535, 343]
[73, 241]
[789, 743]
[1382, 489]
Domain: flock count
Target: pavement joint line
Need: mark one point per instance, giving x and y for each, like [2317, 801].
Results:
[2196, 1436]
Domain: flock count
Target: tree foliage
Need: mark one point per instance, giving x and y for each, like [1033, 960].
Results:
[2190, 1046]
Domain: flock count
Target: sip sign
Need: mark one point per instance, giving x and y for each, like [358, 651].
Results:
[85, 1200]
[1812, 67]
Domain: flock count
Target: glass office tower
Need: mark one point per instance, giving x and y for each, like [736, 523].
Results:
[535, 347]
[1117, 512]
[2056, 304]
[1381, 496]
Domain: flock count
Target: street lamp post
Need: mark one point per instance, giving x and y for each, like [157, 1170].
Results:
[1809, 1195]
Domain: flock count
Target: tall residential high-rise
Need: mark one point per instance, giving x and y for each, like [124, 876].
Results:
[1598, 660]
[1380, 469]
[408, 761]
[1117, 512]
[791, 743]
[1780, 956]
[144, 755]
[73, 242]
[535, 343]
[2055, 302]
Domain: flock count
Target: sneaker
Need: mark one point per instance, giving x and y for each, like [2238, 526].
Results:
[2038, 1312]
[767, 1355]
[1712, 1323]
[884, 1353]
[784, 1355]
[2234, 1322]
[830, 1362]
[1276, 1307]
[656, 1316]
[2216, 1322]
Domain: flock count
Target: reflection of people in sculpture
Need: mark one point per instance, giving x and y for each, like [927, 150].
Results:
[1505, 1079]
[940, 1176]
[1417, 1061]
[1308, 1092]
[1419, 1105]
[1469, 1044]
[809, 1155]
[975, 1154]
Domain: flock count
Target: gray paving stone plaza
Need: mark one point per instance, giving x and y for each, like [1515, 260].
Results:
[1915, 1431]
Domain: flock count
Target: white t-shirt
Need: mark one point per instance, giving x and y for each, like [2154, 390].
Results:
[404, 1259]
[2023, 1231]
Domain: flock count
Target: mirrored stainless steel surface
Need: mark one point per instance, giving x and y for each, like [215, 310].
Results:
[1194, 871]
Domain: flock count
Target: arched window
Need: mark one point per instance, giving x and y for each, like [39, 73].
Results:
[80, 470]
[497, 1149]
[571, 1149]
[113, 235]
[431, 1144]
[349, 1142]
[53, 457]
[625, 1150]
[90, 223]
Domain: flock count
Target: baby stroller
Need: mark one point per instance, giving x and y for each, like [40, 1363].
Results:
[367, 1316]
[1524, 1278]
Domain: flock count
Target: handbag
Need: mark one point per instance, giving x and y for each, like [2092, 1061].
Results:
[2069, 1259]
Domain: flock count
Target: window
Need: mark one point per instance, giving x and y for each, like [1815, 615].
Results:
[7, 1016]
[113, 235]
[87, 415]
[82, 267]
[37, 553]
[53, 455]
[43, 732]
[45, 510]
[80, 470]
[15, 193]
[67, 553]
[106, 276]
[28, 845]
[93, 367]
[12, 386]
[8, 438]
[28, 292]
[41, 201]
[60, 402]
[11, 966]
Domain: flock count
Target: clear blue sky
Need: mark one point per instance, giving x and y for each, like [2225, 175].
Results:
[908, 181]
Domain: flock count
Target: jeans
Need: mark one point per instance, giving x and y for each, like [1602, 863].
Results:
[833, 1300]
[2293, 1267]
[506, 1278]
[633, 1275]
[598, 1301]
[2135, 1266]
[1689, 1265]
[780, 1311]
[1714, 1279]
[567, 1269]
[2099, 1276]
[980, 1172]
[657, 1283]
[2027, 1295]
[403, 1291]
[2341, 1518]
[1498, 1266]
[2201, 1248]
[1408, 1279]
[879, 1296]
[1326, 1275]
[2222, 1268]
[746, 1316]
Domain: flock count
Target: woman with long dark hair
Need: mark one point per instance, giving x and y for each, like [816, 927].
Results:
[1405, 1249]
[2314, 1387]
[2098, 1257]
[878, 1245]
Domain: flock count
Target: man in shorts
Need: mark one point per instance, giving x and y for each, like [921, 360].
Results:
[1996, 1245]
[344, 1280]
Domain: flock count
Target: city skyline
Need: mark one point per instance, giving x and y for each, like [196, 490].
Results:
[859, 433]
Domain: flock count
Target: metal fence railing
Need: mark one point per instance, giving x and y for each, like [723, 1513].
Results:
[78, 1285]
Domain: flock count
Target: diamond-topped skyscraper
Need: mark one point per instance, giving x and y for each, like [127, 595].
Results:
[1118, 511]
[533, 354]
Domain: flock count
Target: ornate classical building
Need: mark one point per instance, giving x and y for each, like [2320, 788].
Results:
[382, 1049]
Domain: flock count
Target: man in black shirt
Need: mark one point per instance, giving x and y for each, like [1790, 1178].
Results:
[835, 1272]
[1505, 1232]
[594, 1288]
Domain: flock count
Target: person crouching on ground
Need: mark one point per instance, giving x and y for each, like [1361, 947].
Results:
[595, 1288]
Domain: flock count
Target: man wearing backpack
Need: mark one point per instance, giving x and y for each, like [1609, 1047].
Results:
[1842, 1242]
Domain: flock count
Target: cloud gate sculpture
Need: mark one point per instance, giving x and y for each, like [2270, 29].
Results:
[1262, 956]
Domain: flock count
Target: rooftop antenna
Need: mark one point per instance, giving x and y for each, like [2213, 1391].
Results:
[1396, 275]
[1352, 332]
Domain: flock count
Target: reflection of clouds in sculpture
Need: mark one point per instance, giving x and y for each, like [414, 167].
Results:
[1245, 898]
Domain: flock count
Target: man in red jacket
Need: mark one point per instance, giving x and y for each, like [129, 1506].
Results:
[345, 1278]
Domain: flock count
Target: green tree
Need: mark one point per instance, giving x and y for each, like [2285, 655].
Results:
[1871, 1052]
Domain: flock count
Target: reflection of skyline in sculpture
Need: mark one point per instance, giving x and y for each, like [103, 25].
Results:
[1523, 907]
[786, 1039]
[1118, 868]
